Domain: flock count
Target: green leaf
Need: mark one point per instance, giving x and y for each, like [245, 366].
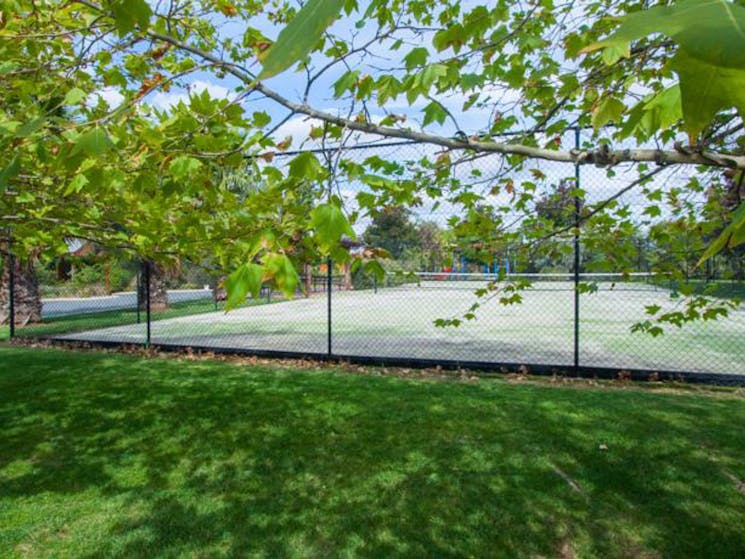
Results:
[374, 268]
[376, 181]
[7, 66]
[712, 31]
[652, 309]
[76, 184]
[714, 313]
[417, 57]
[345, 82]
[737, 227]
[609, 110]
[93, 142]
[306, 166]
[732, 236]
[130, 13]
[655, 331]
[246, 279]
[657, 112]
[614, 53]
[297, 39]
[9, 172]
[388, 88]
[329, 224]
[452, 36]
[25, 197]
[261, 119]
[279, 268]
[710, 60]
[30, 127]
[75, 96]
[184, 167]
[470, 101]
[738, 234]
[431, 73]
[706, 89]
[434, 113]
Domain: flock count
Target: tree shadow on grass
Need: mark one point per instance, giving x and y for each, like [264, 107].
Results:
[218, 460]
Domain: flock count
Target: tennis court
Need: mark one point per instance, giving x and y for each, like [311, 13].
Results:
[398, 320]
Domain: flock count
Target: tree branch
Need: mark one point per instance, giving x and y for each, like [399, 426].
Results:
[603, 157]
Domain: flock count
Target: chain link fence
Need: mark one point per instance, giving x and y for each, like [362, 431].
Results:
[541, 267]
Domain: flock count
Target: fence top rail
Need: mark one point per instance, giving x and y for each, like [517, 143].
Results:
[546, 275]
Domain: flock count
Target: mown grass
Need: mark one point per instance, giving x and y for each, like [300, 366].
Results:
[723, 288]
[110, 455]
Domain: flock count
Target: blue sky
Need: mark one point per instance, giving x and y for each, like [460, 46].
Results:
[291, 84]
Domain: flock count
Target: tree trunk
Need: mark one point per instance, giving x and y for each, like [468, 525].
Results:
[308, 277]
[158, 293]
[27, 297]
[347, 277]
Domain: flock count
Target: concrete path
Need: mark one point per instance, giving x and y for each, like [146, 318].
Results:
[62, 306]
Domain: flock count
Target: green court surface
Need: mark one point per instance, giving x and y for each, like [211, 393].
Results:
[400, 322]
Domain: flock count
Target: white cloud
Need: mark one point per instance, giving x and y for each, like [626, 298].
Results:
[298, 127]
[109, 94]
[165, 100]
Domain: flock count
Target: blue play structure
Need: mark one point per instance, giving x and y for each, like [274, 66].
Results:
[460, 265]
[495, 267]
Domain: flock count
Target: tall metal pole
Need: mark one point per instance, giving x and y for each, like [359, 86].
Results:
[137, 294]
[576, 253]
[329, 285]
[147, 301]
[11, 290]
[329, 261]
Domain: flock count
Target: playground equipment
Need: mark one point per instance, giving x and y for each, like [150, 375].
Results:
[460, 265]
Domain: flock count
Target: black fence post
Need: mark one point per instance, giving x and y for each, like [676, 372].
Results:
[329, 285]
[147, 302]
[11, 291]
[138, 303]
[576, 253]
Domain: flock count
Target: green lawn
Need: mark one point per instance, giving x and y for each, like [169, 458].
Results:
[727, 289]
[109, 455]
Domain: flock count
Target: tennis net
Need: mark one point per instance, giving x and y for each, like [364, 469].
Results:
[589, 282]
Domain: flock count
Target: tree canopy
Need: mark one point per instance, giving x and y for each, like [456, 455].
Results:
[88, 152]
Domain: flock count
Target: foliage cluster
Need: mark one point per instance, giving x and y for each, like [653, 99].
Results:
[160, 183]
